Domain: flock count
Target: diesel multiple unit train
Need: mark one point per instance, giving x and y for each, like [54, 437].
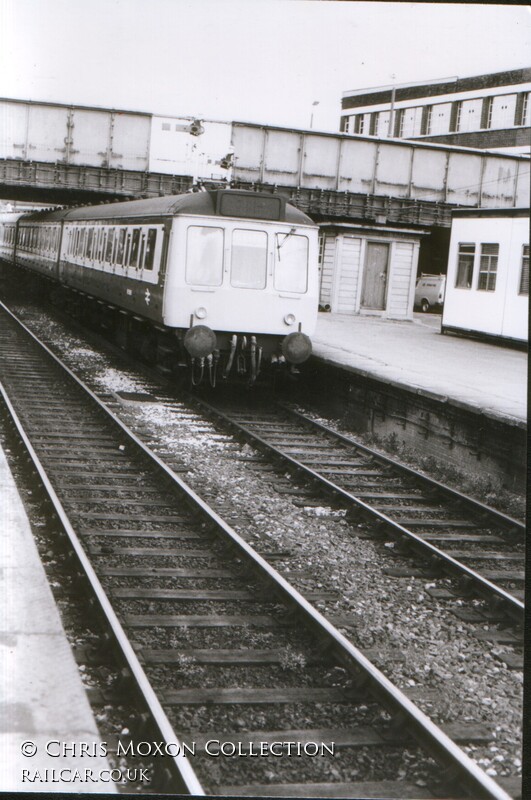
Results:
[222, 282]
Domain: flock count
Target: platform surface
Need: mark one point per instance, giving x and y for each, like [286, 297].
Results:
[485, 377]
[42, 699]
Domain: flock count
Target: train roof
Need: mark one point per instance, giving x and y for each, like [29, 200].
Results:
[218, 202]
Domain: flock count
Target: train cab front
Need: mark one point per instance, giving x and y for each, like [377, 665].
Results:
[224, 355]
[245, 290]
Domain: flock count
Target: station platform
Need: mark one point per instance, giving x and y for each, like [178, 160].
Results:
[42, 700]
[488, 378]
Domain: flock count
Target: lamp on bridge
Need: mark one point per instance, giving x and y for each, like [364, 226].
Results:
[315, 103]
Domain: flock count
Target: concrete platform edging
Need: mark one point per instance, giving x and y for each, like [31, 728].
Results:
[44, 710]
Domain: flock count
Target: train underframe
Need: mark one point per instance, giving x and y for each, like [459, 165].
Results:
[195, 356]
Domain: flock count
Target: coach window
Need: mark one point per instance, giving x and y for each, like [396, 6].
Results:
[291, 267]
[127, 248]
[248, 259]
[465, 266]
[524, 275]
[108, 249]
[120, 247]
[133, 261]
[150, 249]
[90, 236]
[142, 250]
[488, 267]
[204, 256]
[96, 245]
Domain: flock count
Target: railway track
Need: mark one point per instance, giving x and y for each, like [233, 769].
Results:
[451, 533]
[171, 578]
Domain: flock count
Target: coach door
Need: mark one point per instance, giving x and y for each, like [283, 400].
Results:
[375, 276]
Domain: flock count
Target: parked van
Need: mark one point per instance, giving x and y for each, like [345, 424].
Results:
[429, 292]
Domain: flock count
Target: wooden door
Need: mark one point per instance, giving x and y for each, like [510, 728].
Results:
[375, 276]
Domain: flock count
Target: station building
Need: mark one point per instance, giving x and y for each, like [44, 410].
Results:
[368, 270]
[491, 112]
[487, 289]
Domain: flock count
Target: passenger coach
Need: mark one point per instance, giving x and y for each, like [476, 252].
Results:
[222, 280]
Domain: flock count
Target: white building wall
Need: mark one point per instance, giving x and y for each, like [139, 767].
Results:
[327, 270]
[349, 275]
[504, 311]
[399, 292]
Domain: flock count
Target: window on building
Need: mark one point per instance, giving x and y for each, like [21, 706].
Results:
[486, 113]
[166, 126]
[488, 267]
[524, 275]
[526, 110]
[359, 123]
[399, 124]
[426, 123]
[503, 110]
[523, 109]
[465, 265]
[458, 116]
[470, 115]
[383, 123]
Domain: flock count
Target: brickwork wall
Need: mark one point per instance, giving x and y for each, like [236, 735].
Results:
[491, 81]
[511, 137]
